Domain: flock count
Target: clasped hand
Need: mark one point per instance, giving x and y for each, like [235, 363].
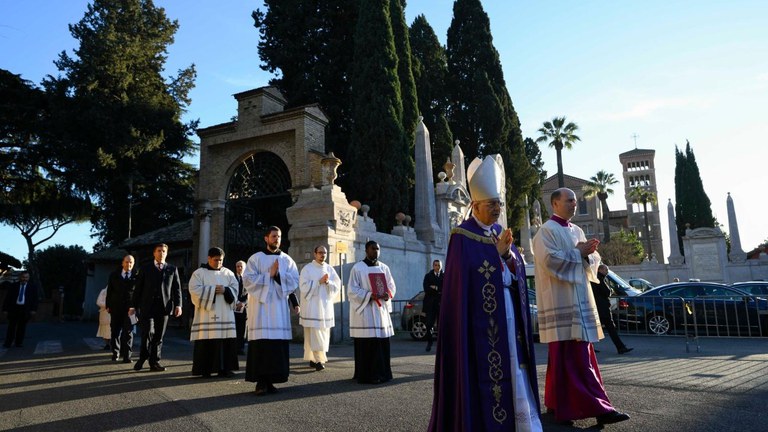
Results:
[504, 242]
[587, 247]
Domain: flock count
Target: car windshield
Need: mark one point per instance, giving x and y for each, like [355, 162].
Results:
[620, 287]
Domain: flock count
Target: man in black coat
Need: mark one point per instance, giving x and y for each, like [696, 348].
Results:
[19, 306]
[241, 316]
[157, 295]
[433, 286]
[120, 287]
[602, 293]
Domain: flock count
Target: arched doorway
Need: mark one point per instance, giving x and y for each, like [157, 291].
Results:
[257, 196]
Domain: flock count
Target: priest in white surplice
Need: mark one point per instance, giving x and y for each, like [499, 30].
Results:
[270, 278]
[213, 291]
[319, 285]
[369, 321]
[565, 263]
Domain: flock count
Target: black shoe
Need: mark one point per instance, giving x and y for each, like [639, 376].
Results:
[319, 366]
[107, 347]
[139, 364]
[261, 391]
[429, 347]
[612, 417]
[597, 351]
[312, 364]
[625, 350]
[127, 360]
[271, 389]
[226, 374]
[19, 346]
[114, 358]
[157, 368]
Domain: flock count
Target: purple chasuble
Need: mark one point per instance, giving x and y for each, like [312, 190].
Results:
[473, 376]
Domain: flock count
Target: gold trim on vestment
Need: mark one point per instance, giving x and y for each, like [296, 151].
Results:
[495, 369]
[473, 236]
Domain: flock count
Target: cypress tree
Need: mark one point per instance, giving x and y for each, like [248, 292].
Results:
[481, 114]
[379, 160]
[430, 71]
[692, 205]
[310, 43]
[120, 121]
[408, 93]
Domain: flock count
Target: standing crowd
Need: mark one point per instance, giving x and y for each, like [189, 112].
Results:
[255, 302]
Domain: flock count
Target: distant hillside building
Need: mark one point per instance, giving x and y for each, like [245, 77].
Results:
[639, 170]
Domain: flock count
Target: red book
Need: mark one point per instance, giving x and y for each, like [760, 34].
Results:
[378, 285]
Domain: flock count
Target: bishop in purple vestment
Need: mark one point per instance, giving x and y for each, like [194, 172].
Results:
[485, 371]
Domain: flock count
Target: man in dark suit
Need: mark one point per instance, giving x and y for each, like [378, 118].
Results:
[433, 286]
[602, 293]
[19, 306]
[241, 316]
[157, 295]
[120, 287]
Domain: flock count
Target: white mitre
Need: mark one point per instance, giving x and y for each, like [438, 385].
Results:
[486, 178]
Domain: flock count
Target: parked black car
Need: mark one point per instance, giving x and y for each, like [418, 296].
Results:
[755, 288]
[702, 308]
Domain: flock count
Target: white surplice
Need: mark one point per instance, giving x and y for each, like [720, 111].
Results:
[268, 310]
[214, 317]
[366, 318]
[566, 305]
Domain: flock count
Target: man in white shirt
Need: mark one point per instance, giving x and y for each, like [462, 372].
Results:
[319, 285]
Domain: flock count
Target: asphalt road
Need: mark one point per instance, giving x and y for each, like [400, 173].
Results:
[62, 380]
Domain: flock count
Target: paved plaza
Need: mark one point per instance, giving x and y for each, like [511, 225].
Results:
[62, 380]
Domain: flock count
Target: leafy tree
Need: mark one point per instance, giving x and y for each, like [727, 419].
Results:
[379, 158]
[310, 43]
[641, 195]
[120, 121]
[692, 205]
[481, 114]
[35, 199]
[63, 267]
[599, 185]
[430, 71]
[559, 135]
[624, 248]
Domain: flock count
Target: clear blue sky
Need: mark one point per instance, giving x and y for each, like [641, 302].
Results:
[664, 70]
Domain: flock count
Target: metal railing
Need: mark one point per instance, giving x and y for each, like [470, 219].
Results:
[705, 316]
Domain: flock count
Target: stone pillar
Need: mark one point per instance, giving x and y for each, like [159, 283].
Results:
[525, 234]
[737, 254]
[459, 170]
[205, 231]
[674, 257]
[426, 220]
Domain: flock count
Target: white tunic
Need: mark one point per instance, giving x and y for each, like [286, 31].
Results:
[268, 311]
[366, 318]
[317, 299]
[104, 331]
[566, 306]
[214, 317]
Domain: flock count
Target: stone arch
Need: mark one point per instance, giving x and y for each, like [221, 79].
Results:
[257, 195]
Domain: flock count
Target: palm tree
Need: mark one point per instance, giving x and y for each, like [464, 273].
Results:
[599, 185]
[640, 195]
[559, 136]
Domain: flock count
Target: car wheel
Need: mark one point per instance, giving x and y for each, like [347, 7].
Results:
[658, 324]
[418, 329]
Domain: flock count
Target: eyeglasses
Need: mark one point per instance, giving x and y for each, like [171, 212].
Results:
[493, 204]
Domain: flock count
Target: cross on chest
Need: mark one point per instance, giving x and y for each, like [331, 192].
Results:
[215, 317]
